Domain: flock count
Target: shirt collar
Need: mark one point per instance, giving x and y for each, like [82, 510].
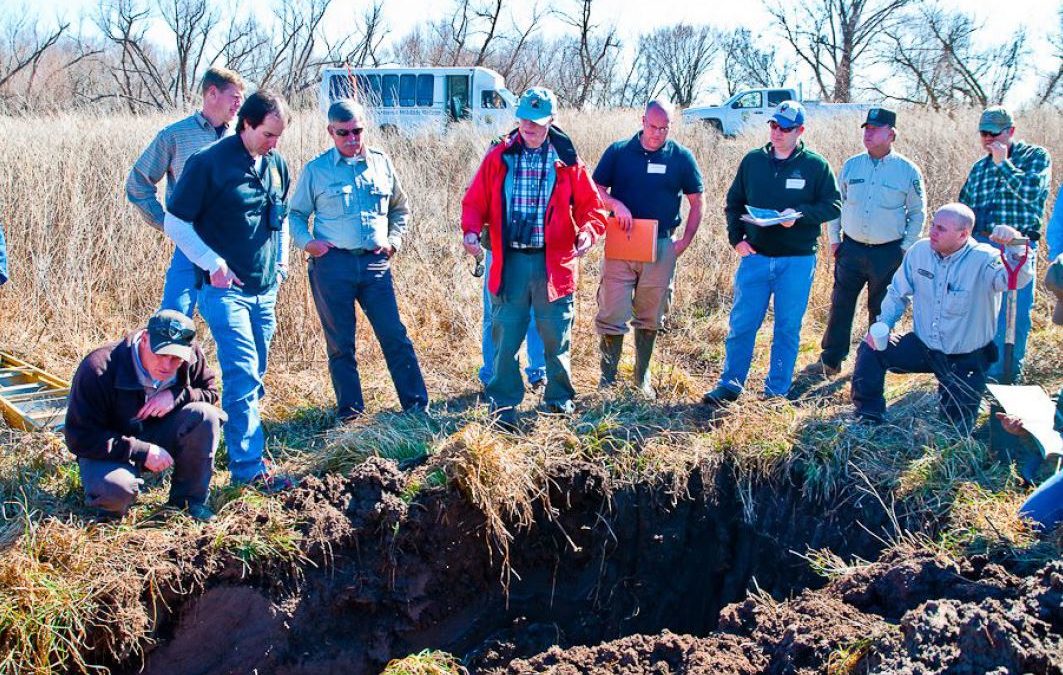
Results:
[955, 255]
[337, 158]
[636, 144]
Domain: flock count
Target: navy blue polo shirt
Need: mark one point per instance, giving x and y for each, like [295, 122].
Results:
[650, 184]
[229, 204]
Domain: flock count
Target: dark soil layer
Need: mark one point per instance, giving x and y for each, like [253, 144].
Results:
[900, 616]
[391, 576]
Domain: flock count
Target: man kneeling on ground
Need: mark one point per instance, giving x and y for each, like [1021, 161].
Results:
[954, 284]
[146, 403]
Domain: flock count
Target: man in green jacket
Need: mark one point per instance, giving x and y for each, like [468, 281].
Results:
[777, 261]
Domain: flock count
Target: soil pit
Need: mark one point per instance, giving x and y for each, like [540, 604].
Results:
[658, 581]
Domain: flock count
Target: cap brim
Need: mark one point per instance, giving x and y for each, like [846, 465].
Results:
[183, 352]
[875, 124]
[541, 121]
[992, 128]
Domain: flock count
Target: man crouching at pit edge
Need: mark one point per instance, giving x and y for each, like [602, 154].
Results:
[146, 403]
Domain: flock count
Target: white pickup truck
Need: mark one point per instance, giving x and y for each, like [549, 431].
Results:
[755, 107]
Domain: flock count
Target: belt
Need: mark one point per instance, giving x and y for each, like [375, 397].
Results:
[525, 251]
[895, 242]
[353, 251]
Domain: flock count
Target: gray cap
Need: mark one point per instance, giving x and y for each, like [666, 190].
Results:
[995, 120]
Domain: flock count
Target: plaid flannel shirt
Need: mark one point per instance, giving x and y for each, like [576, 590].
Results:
[530, 196]
[1013, 193]
[166, 156]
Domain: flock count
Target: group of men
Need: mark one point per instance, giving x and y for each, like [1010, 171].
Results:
[534, 208]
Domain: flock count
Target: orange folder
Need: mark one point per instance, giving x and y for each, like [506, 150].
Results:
[638, 245]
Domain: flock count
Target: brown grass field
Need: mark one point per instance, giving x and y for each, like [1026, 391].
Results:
[85, 268]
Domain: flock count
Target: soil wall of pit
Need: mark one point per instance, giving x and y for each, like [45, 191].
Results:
[599, 562]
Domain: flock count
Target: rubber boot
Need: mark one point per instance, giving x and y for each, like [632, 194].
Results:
[611, 347]
[644, 341]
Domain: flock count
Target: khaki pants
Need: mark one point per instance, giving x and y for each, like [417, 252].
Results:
[635, 290]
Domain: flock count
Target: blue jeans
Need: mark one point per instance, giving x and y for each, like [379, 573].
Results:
[242, 326]
[338, 280]
[1045, 504]
[524, 291]
[533, 346]
[181, 287]
[1023, 309]
[757, 280]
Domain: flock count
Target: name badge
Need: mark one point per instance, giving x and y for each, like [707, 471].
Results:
[656, 168]
[795, 183]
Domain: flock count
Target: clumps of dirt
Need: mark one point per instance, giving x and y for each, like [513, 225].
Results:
[951, 617]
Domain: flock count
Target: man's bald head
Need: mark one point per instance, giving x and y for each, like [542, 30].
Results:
[950, 228]
[960, 216]
[663, 106]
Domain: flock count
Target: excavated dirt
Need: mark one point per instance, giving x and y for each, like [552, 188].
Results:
[659, 582]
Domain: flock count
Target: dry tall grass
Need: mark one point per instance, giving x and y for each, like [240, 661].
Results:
[84, 266]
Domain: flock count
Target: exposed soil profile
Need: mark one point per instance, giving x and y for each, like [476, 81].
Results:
[659, 581]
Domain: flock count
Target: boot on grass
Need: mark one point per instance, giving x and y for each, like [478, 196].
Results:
[644, 341]
[610, 347]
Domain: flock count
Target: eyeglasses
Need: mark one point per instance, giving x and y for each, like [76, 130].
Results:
[344, 133]
[775, 125]
[990, 134]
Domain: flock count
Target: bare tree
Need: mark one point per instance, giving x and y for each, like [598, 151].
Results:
[140, 77]
[683, 54]
[936, 61]
[594, 48]
[830, 36]
[192, 22]
[1052, 81]
[24, 45]
[369, 37]
[746, 64]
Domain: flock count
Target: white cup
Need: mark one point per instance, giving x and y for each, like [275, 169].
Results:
[880, 335]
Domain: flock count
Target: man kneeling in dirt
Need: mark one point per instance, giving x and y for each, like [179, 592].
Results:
[954, 285]
[146, 403]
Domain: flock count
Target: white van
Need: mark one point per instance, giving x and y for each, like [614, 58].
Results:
[413, 99]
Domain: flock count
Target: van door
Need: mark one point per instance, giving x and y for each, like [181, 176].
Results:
[457, 90]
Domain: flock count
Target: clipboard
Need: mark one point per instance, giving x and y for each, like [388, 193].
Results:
[638, 245]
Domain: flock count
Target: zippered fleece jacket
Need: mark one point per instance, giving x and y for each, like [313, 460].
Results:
[803, 182]
[574, 207]
[105, 397]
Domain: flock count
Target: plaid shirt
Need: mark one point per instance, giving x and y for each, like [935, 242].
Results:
[166, 156]
[530, 196]
[1013, 193]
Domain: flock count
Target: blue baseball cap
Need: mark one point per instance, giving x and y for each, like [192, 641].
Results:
[536, 105]
[789, 114]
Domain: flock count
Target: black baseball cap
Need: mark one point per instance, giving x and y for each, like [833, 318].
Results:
[170, 333]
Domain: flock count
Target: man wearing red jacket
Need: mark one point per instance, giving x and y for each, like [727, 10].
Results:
[542, 212]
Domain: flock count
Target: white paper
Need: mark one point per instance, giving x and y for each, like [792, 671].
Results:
[656, 168]
[1036, 410]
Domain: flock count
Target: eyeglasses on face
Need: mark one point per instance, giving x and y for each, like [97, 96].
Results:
[775, 125]
[344, 133]
[990, 134]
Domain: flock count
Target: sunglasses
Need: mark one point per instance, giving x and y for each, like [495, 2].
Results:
[989, 134]
[344, 133]
[174, 331]
[775, 125]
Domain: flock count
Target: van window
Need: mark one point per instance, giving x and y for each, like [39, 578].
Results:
[492, 99]
[777, 96]
[339, 87]
[752, 99]
[369, 90]
[389, 91]
[426, 85]
[408, 91]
